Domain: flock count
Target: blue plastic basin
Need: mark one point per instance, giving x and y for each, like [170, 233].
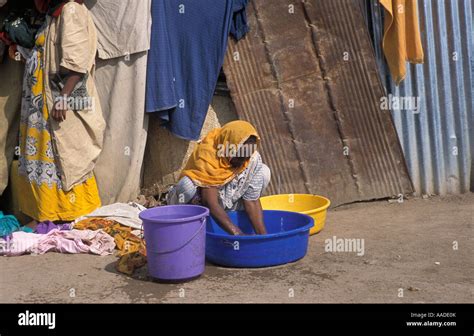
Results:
[286, 241]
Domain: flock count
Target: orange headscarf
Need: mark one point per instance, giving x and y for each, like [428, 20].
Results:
[207, 166]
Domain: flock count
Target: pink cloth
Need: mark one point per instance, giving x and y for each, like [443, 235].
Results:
[74, 241]
[19, 243]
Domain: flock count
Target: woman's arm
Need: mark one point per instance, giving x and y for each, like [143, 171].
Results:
[210, 200]
[255, 213]
[74, 40]
[59, 109]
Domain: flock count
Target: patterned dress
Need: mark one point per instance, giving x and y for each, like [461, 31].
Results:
[41, 194]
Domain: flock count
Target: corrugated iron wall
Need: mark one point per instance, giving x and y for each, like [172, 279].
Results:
[307, 78]
[437, 137]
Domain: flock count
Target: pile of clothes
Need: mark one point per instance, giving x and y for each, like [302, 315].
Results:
[131, 248]
[116, 226]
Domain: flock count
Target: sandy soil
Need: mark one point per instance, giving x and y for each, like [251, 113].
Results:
[410, 256]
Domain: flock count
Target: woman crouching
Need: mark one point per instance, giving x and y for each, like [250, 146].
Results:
[226, 172]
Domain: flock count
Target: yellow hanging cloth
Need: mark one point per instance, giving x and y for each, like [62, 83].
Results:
[402, 39]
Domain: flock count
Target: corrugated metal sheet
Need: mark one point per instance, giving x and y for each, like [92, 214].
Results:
[437, 137]
[306, 76]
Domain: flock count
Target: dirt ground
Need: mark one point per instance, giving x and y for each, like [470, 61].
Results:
[417, 251]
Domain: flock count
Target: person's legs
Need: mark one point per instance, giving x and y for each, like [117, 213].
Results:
[183, 192]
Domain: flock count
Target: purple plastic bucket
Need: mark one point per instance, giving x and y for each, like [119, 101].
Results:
[175, 237]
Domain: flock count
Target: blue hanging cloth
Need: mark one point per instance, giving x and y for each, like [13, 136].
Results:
[188, 45]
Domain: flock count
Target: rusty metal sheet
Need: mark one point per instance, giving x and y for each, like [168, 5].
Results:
[317, 111]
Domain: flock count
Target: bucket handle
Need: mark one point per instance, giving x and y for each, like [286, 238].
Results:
[203, 220]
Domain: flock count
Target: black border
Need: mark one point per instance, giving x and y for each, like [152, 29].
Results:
[143, 318]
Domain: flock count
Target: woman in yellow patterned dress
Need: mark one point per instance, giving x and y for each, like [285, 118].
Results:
[59, 143]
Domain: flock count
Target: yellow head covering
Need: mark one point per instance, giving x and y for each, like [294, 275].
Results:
[208, 166]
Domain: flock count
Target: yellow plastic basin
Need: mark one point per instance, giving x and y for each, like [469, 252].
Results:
[312, 205]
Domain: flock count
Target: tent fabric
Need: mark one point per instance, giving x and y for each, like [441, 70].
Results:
[124, 26]
[10, 105]
[123, 33]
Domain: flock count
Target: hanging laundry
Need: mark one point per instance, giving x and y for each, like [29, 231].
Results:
[74, 241]
[188, 45]
[402, 38]
[123, 31]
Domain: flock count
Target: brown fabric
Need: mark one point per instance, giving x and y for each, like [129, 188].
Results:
[129, 263]
[72, 44]
[10, 105]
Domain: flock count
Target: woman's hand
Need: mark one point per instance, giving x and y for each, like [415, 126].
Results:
[255, 213]
[61, 106]
[210, 199]
[59, 112]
